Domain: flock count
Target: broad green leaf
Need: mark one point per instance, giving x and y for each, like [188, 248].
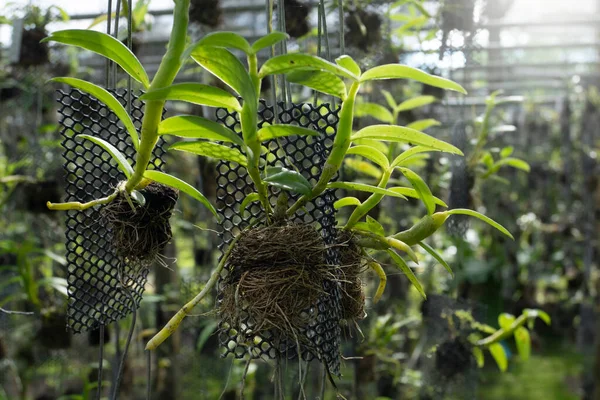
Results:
[478, 354]
[409, 153]
[375, 226]
[533, 313]
[321, 81]
[269, 132]
[120, 159]
[195, 93]
[423, 124]
[348, 63]
[422, 189]
[415, 102]
[104, 45]
[399, 71]
[523, 342]
[284, 178]
[363, 167]
[374, 110]
[108, 99]
[269, 40]
[190, 126]
[393, 133]
[289, 62]
[506, 152]
[488, 220]
[505, 320]
[363, 188]
[252, 197]
[410, 192]
[401, 264]
[390, 99]
[437, 257]
[499, 356]
[345, 202]
[225, 39]
[177, 183]
[372, 154]
[225, 66]
[376, 144]
[213, 150]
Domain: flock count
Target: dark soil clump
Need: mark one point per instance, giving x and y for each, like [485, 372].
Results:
[140, 234]
[33, 52]
[276, 274]
[206, 12]
[53, 333]
[364, 34]
[296, 24]
[453, 358]
[94, 336]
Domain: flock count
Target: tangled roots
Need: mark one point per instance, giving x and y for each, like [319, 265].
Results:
[351, 266]
[140, 234]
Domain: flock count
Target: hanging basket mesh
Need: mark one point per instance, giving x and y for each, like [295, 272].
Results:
[308, 155]
[96, 294]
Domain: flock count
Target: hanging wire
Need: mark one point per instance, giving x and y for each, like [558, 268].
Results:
[326, 35]
[282, 28]
[148, 374]
[108, 27]
[116, 35]
[273, 95]
[319, 32]
[129, 45]
[341, 27]
[100, 363]
[127, 343]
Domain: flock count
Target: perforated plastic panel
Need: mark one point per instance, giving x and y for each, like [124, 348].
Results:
[308, 155]
[95, 291]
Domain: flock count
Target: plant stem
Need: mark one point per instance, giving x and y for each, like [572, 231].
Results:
[75, 205]
[341, 144]
[167, 70]
[502, 334]
[483, 136]
[371, 202]
[176, 320]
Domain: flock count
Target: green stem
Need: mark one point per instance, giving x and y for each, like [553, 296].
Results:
[502, 334]
[341, 144]
[167, 70]
[483, 136]
[371, 202]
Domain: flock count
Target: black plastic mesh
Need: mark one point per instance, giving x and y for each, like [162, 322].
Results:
[308, 155]
[95, 291]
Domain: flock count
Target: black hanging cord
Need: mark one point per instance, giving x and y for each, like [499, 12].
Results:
[127, 343]
[100, 363]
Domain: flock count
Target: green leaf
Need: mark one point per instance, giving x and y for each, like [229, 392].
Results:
[269, 40]
[195, 93]
[177, 183]
[287, 179]
[415, 102]
[523, 342]
[252, 197]
[487, 159]
[399, 71]
[532, 313]
[363, 187]
[410, 192]
[393, 133]
[108, 99]
[376, 144]
[269, 132]
[390, 99]
[488, 220]
[409, 153]
[348, 63]
[345, 202]
[375, 226]
[505, 320]
[363, 167]
[401, 264]
[288, 62]
[371, 154]
[421, 188]
[478, 354]
[423, 124]
[374, 110]
[321, 81]
[225, 66]
[120, 159]
[138, 197]
[499, 356]
[190, 126]
[506, 152]
[213, 150]
[511, 162]
[225, 39]
[437, 257]
[106, 46]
